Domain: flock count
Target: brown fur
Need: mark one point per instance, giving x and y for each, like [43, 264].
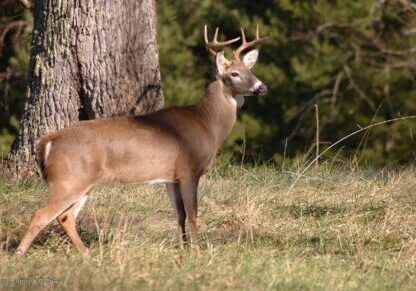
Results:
[177, 145]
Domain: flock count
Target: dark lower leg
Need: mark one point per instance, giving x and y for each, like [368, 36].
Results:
[189, 190]
[177, 204]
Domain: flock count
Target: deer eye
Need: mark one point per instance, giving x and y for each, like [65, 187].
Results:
[235, 74]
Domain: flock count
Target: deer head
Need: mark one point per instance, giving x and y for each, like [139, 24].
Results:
[236, 75]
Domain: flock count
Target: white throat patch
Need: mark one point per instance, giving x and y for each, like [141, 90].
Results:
[237, 101]
[240, 101]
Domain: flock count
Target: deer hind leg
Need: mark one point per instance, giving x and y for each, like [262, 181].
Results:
[189, 189]
[61, 199]
[67, 220]
[177, 204]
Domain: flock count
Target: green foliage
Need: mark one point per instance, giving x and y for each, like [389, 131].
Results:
[355, 59]
[15, 33]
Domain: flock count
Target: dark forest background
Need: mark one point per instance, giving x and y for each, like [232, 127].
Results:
[354, 59]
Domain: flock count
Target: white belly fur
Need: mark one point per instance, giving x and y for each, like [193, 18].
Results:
[159, 181]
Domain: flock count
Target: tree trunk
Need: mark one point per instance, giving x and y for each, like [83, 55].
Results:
[89, 59]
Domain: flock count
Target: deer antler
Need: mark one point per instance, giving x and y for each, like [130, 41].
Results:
[215, 43]
[245, 45]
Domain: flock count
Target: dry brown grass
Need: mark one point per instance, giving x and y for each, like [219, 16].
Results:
[337, 229]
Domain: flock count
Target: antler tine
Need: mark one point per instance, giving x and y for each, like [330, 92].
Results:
[207, 44]
[206, 34]
[215, 43]
[243, 36]
[216, 34]
[245, 45]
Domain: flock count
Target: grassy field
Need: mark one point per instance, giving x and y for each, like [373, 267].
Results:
[338, 229]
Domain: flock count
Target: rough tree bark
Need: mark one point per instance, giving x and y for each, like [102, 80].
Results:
[89, 59]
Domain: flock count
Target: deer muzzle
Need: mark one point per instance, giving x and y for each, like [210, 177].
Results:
[259, 89]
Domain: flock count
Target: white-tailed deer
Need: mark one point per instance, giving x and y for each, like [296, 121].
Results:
[175, 146]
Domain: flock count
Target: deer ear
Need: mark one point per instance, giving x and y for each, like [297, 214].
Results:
[221, 62]
[250, 58]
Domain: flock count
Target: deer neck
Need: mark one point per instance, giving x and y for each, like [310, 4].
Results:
[218, 109]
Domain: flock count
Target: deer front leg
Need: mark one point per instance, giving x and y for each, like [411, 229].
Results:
[189, 189]
[175, 197]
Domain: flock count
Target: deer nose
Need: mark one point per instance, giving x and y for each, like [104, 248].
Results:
[259, 89]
